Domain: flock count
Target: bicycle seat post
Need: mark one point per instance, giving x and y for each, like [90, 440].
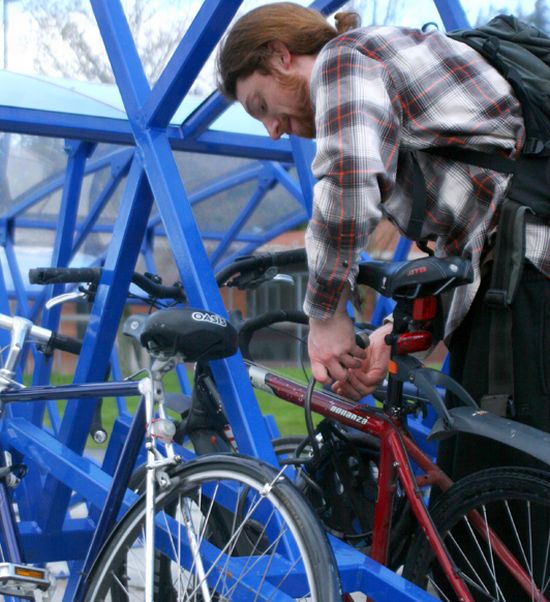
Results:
[147, 389]
[401, 320]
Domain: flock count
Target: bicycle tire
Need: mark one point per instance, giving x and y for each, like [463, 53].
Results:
[261, 496]
[509, 500]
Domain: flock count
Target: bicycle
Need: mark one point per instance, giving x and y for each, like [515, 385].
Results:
[357, 466]
[213, 528]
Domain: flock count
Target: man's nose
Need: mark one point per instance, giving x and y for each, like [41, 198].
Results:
[273, 127]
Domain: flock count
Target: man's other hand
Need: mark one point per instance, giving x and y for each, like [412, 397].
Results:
[362, 381]
[332, 348]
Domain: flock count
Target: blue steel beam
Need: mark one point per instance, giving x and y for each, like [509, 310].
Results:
[238, 145]
[63, 245]
[452, 14]
[98, 342]
[327, 7]
[191, 259]
[118, 131]
[65, 125]
[22, 307]
[78, 153]
[204, 115]
[188, 59]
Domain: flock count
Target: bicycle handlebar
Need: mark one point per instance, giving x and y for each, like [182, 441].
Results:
[45, 336]
[64, 343]
[261, 262]
[64, 275]
[242, 265]
[93, 275]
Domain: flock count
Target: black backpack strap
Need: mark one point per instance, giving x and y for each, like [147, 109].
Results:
[531, 182]
[509, 255]
[473, 157]
[419, 196]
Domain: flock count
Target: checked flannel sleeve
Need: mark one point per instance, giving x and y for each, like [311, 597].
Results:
[358, 121]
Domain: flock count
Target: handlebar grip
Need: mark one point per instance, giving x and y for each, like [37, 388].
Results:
[92, 275]
[64, 343]
[293, 257]
[63, 275]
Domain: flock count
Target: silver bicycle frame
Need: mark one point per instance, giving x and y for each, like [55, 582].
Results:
[158, 428]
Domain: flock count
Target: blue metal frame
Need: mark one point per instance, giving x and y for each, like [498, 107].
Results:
[150, 173]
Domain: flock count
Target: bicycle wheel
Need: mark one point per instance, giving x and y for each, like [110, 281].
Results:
[512, 504]
[256, 538]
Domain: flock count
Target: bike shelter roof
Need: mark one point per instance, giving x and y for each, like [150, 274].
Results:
[103, 101]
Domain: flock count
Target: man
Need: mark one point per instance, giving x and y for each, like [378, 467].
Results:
[374, 98]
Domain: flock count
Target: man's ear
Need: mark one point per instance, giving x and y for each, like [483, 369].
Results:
[281, 57]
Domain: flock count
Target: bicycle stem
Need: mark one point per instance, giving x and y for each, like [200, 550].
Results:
[19, 332]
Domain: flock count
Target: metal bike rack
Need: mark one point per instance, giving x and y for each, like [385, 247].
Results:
[147, 136]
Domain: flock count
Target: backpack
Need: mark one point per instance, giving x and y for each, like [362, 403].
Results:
[521, 53]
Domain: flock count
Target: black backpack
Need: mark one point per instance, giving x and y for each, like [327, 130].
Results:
[521, 53]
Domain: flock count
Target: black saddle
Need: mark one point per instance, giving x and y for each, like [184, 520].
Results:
[424, 277]
[196, 334]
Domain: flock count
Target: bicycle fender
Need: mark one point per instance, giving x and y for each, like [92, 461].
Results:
[524, 438]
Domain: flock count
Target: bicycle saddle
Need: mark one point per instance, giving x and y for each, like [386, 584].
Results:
[422, 277]
[193, 333]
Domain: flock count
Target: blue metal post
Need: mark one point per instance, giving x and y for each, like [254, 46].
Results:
[104, 320]
[452, 14]
[177, 217]
[63, 246]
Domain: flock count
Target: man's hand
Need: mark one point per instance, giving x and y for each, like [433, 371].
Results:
[361, 381]
[332, 347]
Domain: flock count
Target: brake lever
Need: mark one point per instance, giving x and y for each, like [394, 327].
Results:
[253, 280]
[285, 278]
[72, 296]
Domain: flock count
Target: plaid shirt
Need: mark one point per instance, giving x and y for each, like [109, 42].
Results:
[380, 90]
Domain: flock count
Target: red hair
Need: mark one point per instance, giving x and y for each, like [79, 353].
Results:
[245, 48]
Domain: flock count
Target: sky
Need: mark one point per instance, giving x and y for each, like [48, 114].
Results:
[20, 54]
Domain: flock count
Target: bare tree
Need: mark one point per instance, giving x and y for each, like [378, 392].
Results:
[538, 17]
[69, 44]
